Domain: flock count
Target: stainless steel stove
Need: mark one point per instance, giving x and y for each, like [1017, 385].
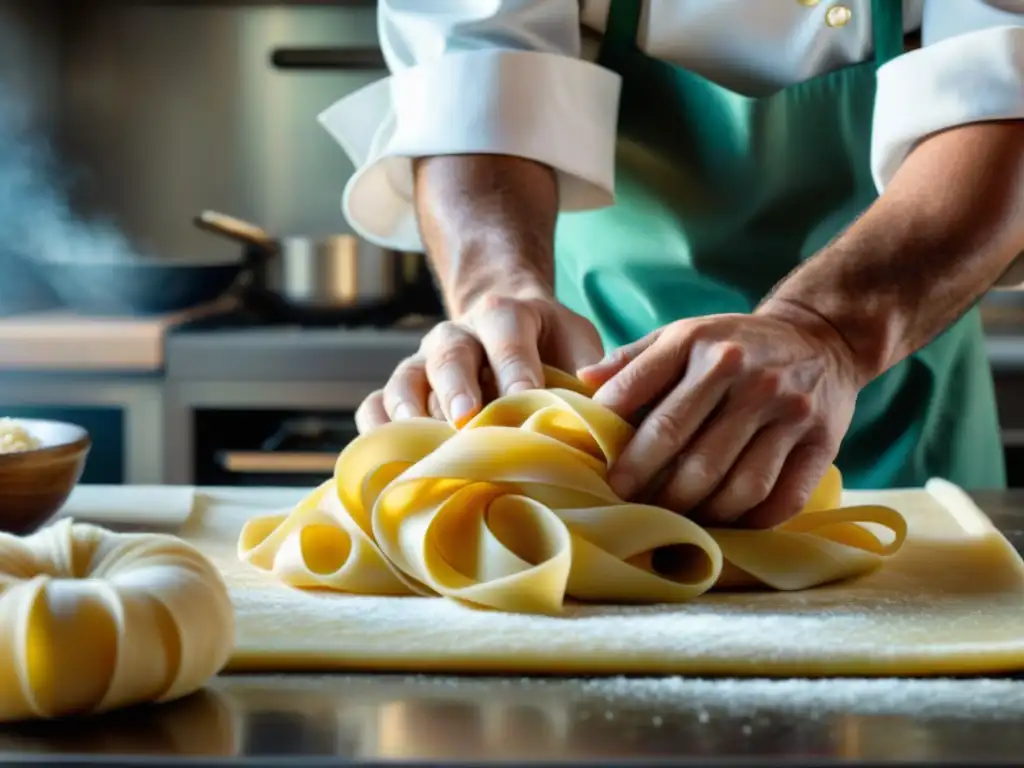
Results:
[254, 401]
[244, 345]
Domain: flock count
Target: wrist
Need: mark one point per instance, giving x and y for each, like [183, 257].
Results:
[522, 287]
[488, 223]
[497, 275]
[863, 362]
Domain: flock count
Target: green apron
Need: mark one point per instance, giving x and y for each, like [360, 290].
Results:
[720, 196]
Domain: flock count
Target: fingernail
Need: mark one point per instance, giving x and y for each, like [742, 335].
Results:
[462, 407]
[520, 386]
[403, 411]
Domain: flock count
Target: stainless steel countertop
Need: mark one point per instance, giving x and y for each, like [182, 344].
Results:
[294, 720]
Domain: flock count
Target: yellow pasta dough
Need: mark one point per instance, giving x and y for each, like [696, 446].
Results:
[513, 512]
[92, 620]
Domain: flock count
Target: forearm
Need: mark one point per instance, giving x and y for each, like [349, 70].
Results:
[949, 224]
[488, 223]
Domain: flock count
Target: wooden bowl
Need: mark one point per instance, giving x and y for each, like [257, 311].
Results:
[35, 484]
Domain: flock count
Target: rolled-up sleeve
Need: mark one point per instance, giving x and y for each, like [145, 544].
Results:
[475, 77]
[969, 69]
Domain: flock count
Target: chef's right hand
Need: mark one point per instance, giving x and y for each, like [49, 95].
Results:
[497, 347]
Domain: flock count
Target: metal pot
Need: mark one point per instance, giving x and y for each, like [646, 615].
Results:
[334, 274]
[338, 271]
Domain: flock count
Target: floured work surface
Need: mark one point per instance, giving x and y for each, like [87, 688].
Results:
[950, 602]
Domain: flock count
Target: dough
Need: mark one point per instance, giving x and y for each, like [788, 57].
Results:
[513, 513]
[92, 620]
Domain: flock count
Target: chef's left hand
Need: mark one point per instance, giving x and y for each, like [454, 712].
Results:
[746, 412]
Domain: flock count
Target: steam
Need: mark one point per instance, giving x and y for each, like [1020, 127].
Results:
[41, 232]
[36, 217]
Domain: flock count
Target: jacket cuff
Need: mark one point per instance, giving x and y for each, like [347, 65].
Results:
[553, 109]
[970, 78]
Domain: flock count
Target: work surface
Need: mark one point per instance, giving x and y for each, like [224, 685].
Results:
[370, 717]
[951, 601]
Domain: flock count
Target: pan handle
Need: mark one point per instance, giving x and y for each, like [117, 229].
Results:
[328, 58]
[235, 229]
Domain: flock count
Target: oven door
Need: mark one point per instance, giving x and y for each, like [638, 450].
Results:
[270, 448]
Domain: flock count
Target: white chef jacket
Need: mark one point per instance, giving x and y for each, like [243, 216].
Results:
[515, 77]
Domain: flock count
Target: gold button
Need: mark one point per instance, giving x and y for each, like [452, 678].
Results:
[838, 16]
[809, 3]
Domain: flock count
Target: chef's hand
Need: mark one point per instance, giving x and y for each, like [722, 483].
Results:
[494, 348]
[746, 414]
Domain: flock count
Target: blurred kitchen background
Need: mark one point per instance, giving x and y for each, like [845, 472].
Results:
[119, 123]
[189, 355]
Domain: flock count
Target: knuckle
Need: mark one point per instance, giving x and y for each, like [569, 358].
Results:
[729, 358]
[505, 354]
[703, 330]
[406, 376]
[700, 471]
[369, 413]
[444, 336]
[789, 504]
[798, 406]
[692, 480]
[371, 400]
[819, 435]
[767, 383]
[666, 426]
[619, 355]
[409, 365]
[797, 501]
[509, 364]
[797, 494]
[692, 488]
[750, 488]
[496, 303]
[397, 380]
[438, 334]
[450, 355]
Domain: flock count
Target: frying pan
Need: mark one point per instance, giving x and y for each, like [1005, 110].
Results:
[143, 287]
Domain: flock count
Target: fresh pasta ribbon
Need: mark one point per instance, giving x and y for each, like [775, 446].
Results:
[513, 512]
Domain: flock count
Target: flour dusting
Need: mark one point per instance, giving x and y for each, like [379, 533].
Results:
[935, 698]
[933, 610]
[756, 700]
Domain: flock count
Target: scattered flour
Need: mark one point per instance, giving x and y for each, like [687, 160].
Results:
[935, 698]
[818, 628]
[756, 700]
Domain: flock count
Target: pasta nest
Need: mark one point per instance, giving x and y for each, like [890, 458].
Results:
[92, 620]
[513, 512]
